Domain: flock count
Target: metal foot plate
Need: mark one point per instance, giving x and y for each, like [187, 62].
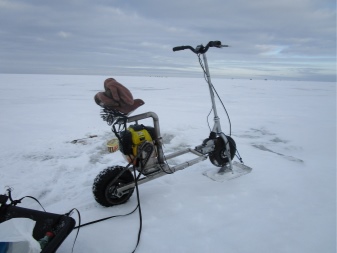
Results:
[225, 174]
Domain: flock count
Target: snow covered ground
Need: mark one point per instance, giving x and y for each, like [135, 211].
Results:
[286, 131]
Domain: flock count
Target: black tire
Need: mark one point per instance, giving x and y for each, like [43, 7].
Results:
[218, 157]
[106, 182]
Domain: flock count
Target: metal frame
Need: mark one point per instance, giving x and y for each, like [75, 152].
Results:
[163, 168]
[217, 126]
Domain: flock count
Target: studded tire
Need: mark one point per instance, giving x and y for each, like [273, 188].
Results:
[107, 181]
[219, 157]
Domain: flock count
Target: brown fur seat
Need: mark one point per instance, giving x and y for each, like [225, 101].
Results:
[117, 97]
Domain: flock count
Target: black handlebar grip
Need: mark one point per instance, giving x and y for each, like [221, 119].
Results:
[215, 43]
[180, 48]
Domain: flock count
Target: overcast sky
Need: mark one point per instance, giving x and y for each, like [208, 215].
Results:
[269, 39]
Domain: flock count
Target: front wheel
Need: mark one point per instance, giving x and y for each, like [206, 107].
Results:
[219, 157]
[106, 183]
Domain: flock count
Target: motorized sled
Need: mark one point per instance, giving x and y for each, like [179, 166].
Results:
[142, 145]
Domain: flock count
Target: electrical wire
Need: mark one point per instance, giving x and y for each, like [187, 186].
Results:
[139, 209]
[229, 121]
[79, 225]
[213, 88]
[169, 168]
[122, 127]
[208, 120]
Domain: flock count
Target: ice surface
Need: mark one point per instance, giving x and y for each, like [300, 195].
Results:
[285, 131]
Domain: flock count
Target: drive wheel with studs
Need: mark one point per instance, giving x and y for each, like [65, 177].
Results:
[106, 183]
[219, 157]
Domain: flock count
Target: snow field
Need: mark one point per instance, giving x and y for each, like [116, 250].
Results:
[285, 131]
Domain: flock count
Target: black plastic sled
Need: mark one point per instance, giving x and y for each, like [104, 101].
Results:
[61, 225]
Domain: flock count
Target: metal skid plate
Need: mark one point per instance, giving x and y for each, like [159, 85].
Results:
[225, 174]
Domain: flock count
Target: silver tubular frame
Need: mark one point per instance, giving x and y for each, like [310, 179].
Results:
[163, 168]
[217, 126]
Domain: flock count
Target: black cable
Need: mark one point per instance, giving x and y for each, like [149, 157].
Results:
[79, 225]
[139, 209]
[122, 127]
[115, 216]
[169, 168]
[106, 218]
[237, 154]
[229, 120]
[15, 202]
[208, 120]
[208, 82]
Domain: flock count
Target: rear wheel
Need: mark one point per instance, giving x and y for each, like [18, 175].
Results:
[219, 157]
[106, 183]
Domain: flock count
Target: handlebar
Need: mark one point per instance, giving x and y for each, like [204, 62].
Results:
[200, 49]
